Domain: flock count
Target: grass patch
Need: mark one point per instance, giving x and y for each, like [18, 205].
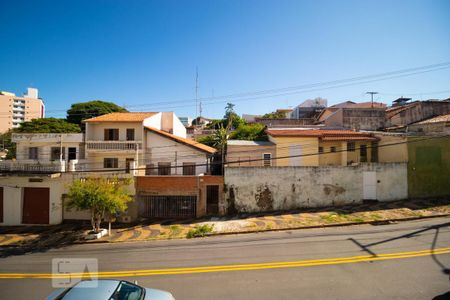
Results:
[333, 218]
[376, 217]
[200, 231]
[175, 230]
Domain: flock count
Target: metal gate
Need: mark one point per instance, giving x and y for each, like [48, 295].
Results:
[212, 199]
[167, 206]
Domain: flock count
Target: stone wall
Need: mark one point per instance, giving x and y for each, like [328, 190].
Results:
[257, 189]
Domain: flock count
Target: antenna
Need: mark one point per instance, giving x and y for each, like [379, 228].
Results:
[196, 92]
[371, 94]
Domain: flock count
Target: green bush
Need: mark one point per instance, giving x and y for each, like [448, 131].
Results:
[200, 231]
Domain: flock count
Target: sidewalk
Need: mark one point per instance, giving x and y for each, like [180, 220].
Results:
[60, 235]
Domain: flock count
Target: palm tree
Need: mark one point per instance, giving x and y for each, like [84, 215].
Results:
[220, 138]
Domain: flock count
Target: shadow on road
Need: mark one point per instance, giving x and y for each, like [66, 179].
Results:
[436, 228]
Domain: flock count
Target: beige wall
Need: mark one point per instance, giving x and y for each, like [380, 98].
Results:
[394, 153]
[95, 131]
[285, 146]
[243, 153]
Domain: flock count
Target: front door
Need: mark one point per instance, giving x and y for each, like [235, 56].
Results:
[212, 199]
[128, 164]
[72, 153]
[36, 202]
[369, 185]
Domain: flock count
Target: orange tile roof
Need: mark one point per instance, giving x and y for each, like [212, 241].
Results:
[187, 142]
[315, 132]
[122, 117]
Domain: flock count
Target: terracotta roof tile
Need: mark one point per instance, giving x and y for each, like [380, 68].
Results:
[122, 117]
[187, 142]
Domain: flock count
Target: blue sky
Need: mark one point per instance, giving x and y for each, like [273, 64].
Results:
[143, 54]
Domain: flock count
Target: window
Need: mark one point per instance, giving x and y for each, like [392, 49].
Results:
[33, 153]
[188, 168]
[332, 149]
[267, 159]
[363, 153]
[351, 147]
[127, 291]
[72, 153]
[374, 152]
[164, 168]
[109, 163]
[320, 150]
[55, 153]
[149, 169]
[130, 134]
[111, 134]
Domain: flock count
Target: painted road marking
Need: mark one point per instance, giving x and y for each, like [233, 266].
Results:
[238, 267]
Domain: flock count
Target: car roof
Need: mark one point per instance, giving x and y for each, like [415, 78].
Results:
[92, 289]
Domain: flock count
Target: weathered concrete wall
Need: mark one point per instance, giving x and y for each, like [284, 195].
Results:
[254, 189]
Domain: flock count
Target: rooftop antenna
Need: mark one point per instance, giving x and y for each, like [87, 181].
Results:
[371, 94]
[196, 92]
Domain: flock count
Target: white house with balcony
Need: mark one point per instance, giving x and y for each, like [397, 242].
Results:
[139, 140]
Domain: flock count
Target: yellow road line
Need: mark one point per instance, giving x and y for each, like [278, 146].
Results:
[239, 267]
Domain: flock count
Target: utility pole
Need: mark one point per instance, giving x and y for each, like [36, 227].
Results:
[196, 92]
[371, 94]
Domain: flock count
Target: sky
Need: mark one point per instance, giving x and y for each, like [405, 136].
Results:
[144, 54]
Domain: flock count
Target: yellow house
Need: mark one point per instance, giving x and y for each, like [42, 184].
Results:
[316, 147]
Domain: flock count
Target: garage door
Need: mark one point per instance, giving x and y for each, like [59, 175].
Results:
[179, 207]
[36, 205]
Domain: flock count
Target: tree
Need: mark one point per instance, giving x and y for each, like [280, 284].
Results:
[250, 132]
[7, 145]
[103, 197]
[85, 110]
[220, 138]
[231, 116]
[275, 115]
[47, 125]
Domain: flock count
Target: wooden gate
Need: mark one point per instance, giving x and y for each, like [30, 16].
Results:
[36, 202]
[178, 207]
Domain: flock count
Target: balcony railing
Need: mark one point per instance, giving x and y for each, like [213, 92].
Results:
[9, 166]
[113, 145]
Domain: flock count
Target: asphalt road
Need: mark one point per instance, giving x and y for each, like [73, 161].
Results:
[407, 274]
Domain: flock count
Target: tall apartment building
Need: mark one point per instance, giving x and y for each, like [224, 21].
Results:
[15, 109]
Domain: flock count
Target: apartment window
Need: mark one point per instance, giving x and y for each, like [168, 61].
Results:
[363, 153]
[109, 163]
[130, 134]
[188, 168]
[320, 150]
[267, 159]
[111, 134]
[164, 168]
[332, 149]
[351, 147]
[55, 153]
[33, 153]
